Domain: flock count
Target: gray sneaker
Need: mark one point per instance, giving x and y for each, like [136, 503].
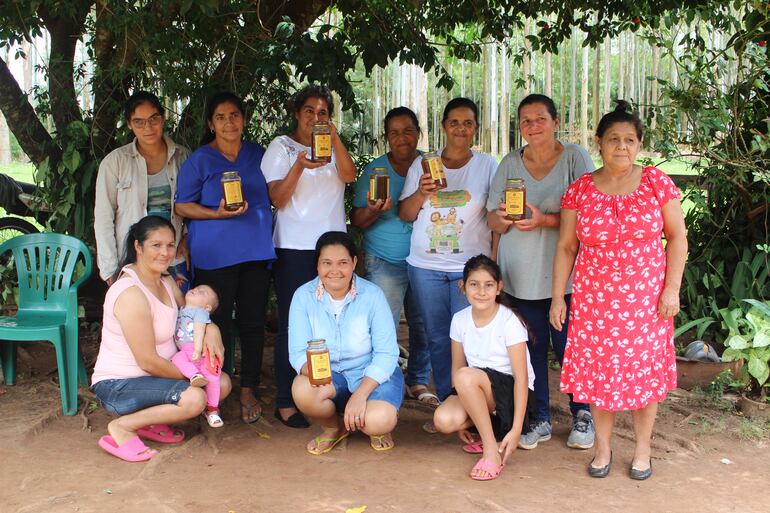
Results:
[582, 434]
[539, 432]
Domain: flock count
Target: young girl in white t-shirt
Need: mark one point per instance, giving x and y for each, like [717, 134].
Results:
[491, 372]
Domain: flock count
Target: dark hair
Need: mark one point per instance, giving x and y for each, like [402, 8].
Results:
[139, 232]
[211, 105]
[139, 98]
[397, 113]
[312, 91]
[334, 239]
[484, 263]
[542, 99]
[623, 113]
[459, 102]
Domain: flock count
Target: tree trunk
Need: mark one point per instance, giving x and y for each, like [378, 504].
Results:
[5, 134]
[595, 93]
[607, 74]
[548, 75]
[505, 99]
[654, 100]
[527, 69]
[621, 67]
[421, 90]
[584, 99]
[572, 82]
[633, 69]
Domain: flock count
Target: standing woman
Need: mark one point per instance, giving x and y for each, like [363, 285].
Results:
[135, 180]
[620, 344]
[231, 249]
[449, 228]
[386, 242]
[525, 255]
[308, 197]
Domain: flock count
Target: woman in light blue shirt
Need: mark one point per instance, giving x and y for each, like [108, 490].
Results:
[353, 316]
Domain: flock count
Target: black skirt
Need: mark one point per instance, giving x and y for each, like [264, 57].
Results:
[502, 393]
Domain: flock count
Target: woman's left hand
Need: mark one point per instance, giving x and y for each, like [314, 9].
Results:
[668, 304]
[355, 411]
[183, 251]
[508, 445]
[529, 224]
[214, 347]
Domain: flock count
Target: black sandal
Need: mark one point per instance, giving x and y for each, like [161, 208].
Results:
[296, 420]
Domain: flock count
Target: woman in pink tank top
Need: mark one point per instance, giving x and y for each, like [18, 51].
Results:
[133, 377]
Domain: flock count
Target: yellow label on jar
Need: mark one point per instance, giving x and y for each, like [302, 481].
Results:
[233, 193]
[321, 366]
[323, 145]
[436, 169]
[514, 202]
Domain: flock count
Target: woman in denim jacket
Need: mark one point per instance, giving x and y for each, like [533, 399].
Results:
[136, 180]
[353, 316]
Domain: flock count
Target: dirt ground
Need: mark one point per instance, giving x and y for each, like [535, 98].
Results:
[706, 459]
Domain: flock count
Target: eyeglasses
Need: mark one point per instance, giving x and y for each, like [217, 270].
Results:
[407, 132]
[153, 121]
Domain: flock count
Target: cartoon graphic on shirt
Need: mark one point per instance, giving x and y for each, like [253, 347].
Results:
[444, 230]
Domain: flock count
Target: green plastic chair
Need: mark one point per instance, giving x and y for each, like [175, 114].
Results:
[48, 306]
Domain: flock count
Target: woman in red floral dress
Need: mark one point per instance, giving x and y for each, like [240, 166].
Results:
[620, 347]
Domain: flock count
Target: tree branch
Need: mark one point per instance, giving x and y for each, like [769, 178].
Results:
[33, 138]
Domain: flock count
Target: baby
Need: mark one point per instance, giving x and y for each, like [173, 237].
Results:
[191, 326]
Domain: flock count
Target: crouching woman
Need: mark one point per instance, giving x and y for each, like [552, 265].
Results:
[353, 317]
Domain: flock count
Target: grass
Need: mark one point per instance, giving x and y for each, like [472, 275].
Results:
[20, 171]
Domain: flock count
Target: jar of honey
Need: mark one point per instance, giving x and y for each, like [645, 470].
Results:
[319, 367]
[379, 185]
[231, 190]
[431, 163]
[515, 199]
[321, 145]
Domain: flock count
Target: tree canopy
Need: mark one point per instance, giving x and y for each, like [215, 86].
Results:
[262, 50]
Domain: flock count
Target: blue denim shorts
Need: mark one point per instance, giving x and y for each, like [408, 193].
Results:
[391, 391]
[124, 396]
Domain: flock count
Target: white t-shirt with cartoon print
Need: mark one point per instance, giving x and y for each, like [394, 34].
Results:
[452, 225]
[487, 347]
[317, 205]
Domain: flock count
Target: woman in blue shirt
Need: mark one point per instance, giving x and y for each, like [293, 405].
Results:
[231, 250]
[352, 315]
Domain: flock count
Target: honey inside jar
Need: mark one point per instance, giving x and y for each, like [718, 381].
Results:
[319, 368]
[232, 190]
[515, 199]
[321, 145]
[431, 164]
[379, 185]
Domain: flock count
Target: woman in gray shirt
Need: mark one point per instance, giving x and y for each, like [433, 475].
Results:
[526, 251]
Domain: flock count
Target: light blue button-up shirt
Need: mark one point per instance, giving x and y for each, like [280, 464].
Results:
[361, 340]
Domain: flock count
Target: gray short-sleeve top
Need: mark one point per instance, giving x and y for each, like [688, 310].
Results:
[526, 258]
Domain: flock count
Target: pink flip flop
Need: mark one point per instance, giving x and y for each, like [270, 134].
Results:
[161, 433]
[133, 450]
[474, 448]
[491, 468]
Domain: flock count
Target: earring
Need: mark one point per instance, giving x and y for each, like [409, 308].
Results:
[212, 131]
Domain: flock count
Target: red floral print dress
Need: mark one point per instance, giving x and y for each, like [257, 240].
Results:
[620, 353]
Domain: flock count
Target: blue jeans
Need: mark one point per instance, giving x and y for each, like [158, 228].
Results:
[391, 391]
[535, 312]
[124, 396]
[437, 297]
[393, 279]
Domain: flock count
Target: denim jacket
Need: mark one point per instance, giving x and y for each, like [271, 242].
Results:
[361, 342]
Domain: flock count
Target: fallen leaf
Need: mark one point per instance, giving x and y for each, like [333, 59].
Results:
[359, 509]
[726, 461]
[108, 491]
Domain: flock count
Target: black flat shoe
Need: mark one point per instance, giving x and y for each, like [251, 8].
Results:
[296, 420]
[640, 475]
[599, 471]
